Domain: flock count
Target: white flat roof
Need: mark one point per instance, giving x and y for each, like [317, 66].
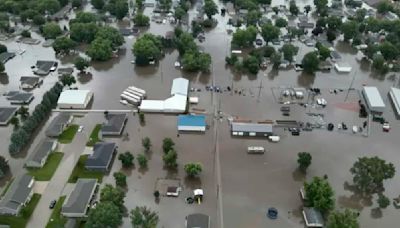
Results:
[395, 95]
[177, 103]
[373, 96]
[342, 67]
[152, 106]
[180, 86]
[73, 97]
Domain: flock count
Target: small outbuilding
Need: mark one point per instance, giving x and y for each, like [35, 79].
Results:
[313, 217]
[394, 95]
[114, 125]
[192, 123]
[40, 154]
[6, 113]
[251, 129]
[373, 99]
[342, 68]
[74, 99]
[100, 160]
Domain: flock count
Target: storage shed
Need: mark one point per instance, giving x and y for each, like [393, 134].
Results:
[251, 129]
[313, 217]
[192, 123]
[74, 99]
[373, 99]
[394, 95]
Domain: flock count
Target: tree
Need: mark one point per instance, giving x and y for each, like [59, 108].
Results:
[4, 167]
[269, 32]
[307, 9]
[334, 22]
[310, 62]
[121, 9]
[275, 9]
[2, 67]
[81, 63]
[179, 13]
[105, 214]
[142, 160]
[165, 5]
[84, 17]
[167, 145]
[323, 52]
[143, 217]
[253, 17]
[294, 10]
[196, 61]
[321, 6]
[111, 34]
[281, 22]
[379, 65]
[126, 159]
[349, 30]
[360, 15]
[97, 4]
[244, 38]
[63, 45]
[304, 160]
[146, 143]
[67, 80]
[76, 3]
[185, 42]
[26, 33]
[141, 20]
[100, 49]
[345, 219]
[384, 7]
[319, 194]
[112, 194]
[3, 48]
[276, 60]
[330, 36]
[15, 122]
[142, 118]
[145, 48]
[193, 169]
[370, 172]
[38, 20]
[51, 30]
[83, 32]
[210, 8]
[23, 112]
[170, 159]
[389, 51]
[289, 50]
[120, 179]
[383, 201]
[371, 50]
[252, 64]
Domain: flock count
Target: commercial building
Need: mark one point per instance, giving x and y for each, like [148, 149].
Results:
[17, 97]
[78, 202]
[40, 154]
[29, 82]
[373, 99]
[177, 103]
[101, 159]
[251, 129]
[192, 123]
[74, 99]
[394, 95]
[58, 125]
[6, 113]
[313, 217]
[18, 195]
[197, 221]
[114, 125]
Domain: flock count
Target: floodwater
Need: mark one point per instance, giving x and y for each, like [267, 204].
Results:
[249, 184]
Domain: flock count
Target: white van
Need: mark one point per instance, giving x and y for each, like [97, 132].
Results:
[255, 150]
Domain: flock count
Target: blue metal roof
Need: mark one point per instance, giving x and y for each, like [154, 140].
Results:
[191, 120]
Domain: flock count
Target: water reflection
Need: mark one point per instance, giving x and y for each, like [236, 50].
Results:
[305, 80]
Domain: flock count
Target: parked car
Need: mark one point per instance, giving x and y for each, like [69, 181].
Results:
[52, 204]
[80, 129]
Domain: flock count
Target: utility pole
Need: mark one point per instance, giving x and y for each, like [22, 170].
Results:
[259, 89]
[350, 87]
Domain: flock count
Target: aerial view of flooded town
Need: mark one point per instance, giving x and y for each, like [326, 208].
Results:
[199, 113]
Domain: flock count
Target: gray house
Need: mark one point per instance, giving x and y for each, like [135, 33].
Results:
[30, 82]
[78, 202]
[313, 217]
[197, 221]
[17, 196]
[251, 129]
[58, 125]
[17, 97]
[6, 113]
[102, 156]
[114, 125]
[40, 154]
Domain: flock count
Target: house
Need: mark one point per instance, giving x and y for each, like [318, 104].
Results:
[28, 82]
[78, 202]
[335, 56]
[251, 129]
[6, 113]
[394, 95]
[5, 56]
[74, 99]
[230, 8]
[65, 71]
[114, 125]
[58, 125]
[40, 154]
[126, 31]
[17, 97]
[313, 217]
[18, 195]
[43, 68]
[100, 160]
[192, 123]
[197, 221]
[305, 25]
[373, 99]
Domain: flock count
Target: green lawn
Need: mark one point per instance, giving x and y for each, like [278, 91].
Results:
[80, 171]
[21, 220]
[68, 135]
[94, 136]
[46, 172]
[7, 187]
[56, 219]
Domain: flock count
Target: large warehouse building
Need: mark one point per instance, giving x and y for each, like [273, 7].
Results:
[74, 99]
[394, 95]
[373, 99]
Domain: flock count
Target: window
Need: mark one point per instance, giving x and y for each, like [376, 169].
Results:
[252, 134]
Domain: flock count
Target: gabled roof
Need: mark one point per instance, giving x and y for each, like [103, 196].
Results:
[66, 70]
[80, 197]
[102, 155]
[42, 150]
[19, 97]
[56, 126]
[6, 113]
[115, 123]
[17, 194]
[5, 56]
[30, 80]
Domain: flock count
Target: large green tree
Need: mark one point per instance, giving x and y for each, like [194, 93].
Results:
[81, 63]
[63, 45]
[244, 37]
[83, 32]
[293, 9]
[143, 217]
[270, 32]
[319, 194]
[304, 160]
[67, 80]
[112, 194]
[345, 219]
[120, 179]
[321, 6]
[310, 62]
[370, 172]
[170, 159]
[145, 48]
[210, 8]
[289, 50]
[141, 20]
[196, 61]
[100, 49]
[126, 159]
[98, 4]
[121, 9]
[51, 30]
[389, 51]
[105, 214]
[349, 29]
[193, 169]
[112, 34]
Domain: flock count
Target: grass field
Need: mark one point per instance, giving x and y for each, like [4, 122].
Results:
[56, 219]
[94, 136]
[80, 172]
[21, 220]
[46, 172]
[68, 135]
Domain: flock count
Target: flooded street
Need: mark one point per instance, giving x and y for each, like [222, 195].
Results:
[249, 184]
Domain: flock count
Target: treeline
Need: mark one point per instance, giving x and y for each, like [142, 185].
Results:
[21, 136]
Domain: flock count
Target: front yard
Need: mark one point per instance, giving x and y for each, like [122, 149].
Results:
[56, 219]
[21, 220]
[80, 171]
[46, 172]
[94, 136]
[68, 135]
